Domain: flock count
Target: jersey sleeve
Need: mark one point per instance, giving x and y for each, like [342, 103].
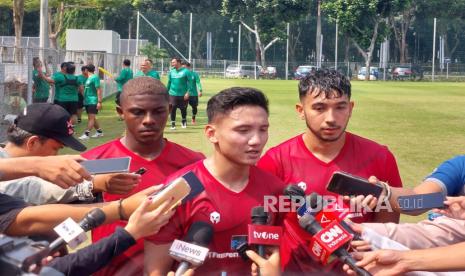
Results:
[121, 77]
[450, 175]
[197, 81]
[392, 171]
[97, 82]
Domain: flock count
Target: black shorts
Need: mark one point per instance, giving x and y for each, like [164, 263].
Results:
[91, 109]
[117, 98]
[80, 101]
[71, 107]
[193, 100]
[178, 102]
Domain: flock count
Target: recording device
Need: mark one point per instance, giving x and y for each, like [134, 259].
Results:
[240, 244]
[329, 241]
[72, 233]
[179, 190]
[422, 202]
[141, 171]
[193, 250]
[18, 254]
[110, 165]
[350, 185]
[259, 217]
[316, 205]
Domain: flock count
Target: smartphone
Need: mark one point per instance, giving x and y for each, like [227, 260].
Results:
[176, 191]
[111, 165]
[421, 202]
[346, 184]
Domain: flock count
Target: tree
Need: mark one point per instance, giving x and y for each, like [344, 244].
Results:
[364, 21]
[153, 52]
[265, 19]
[18, 16]
[400, 22]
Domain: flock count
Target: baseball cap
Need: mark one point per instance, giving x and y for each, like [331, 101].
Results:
[51, 121]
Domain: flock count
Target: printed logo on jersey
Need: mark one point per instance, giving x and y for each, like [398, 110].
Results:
[302, 185]
[215, 217]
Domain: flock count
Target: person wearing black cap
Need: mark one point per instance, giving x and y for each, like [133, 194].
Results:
[42, 130]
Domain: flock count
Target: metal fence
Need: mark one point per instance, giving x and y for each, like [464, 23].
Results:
[16, 74]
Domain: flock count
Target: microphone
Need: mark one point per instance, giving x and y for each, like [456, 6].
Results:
[193, 250]
[329, 241]
[259, 217]
[72, 233]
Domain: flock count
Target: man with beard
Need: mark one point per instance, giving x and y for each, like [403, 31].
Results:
[310, 159]
[144, 107]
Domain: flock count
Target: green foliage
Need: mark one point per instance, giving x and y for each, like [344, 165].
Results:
[153, 52]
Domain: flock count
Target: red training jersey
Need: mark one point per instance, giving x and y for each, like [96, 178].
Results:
[229, 213]
[172, 158]
[294, 163]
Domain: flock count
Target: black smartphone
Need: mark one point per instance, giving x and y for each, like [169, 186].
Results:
[421, 202]
[350, 185]
[111, 165]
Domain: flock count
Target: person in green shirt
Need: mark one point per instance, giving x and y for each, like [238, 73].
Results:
[195, 89]
[82, 78]
[66, 89]
[178, 83]
[146, 70]
[41, 86]
[123, 77]
[92, 103]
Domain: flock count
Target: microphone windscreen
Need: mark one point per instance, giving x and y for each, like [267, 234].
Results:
[259, 216]
[200, 233]
[294, 191]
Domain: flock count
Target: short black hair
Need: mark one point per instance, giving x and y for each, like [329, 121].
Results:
[178, 59]
[325, 81]
[64, 65]
[228, 99]
[83, 68]
[127, 62]
[90, 68]
[70, 68]
[18, 136]
[186, 63]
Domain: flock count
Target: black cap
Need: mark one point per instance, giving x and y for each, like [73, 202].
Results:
[51, 121]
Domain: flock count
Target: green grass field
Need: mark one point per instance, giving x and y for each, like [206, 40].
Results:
[422, 123]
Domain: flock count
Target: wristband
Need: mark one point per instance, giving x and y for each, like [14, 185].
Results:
[120, 209]
[388, 190]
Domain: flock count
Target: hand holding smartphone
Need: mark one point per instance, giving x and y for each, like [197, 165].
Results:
[350, 185]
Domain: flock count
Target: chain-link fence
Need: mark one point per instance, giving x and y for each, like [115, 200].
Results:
[16, 66]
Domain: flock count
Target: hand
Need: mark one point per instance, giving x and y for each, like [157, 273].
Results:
[365, 203]
[144, 222]
[200, 93]
[116, 183]
[131, 203]
[380, 262]
[266, 267]
[189, 272]
[358, 245]
[99, 106]
[63, 170]
[455, 207]
[186, 96]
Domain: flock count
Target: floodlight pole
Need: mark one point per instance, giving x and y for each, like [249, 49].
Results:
[434, 49]
[239, 46]
[137, 34]
[43, 28]
[190, 37]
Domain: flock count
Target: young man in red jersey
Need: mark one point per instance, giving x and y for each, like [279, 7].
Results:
[310, 159]
[238, 129]
[144, 107]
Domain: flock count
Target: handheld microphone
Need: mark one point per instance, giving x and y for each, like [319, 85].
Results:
[329, 242]
[259, 217]
[72, 233]
[193, 250]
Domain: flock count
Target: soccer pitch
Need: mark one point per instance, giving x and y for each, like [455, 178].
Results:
[422, 123]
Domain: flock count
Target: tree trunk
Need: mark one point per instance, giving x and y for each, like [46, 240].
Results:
[18, 16]
[55, 24]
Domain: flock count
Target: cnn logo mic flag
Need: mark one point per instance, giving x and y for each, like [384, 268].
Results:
[264, 234]
[328, 240]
